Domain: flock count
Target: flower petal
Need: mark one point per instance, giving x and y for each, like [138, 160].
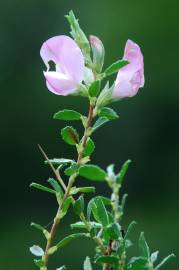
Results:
[131, 77]
[59, 83]
[65, 53]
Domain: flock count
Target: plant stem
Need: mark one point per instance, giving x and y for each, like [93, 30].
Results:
[68, 188]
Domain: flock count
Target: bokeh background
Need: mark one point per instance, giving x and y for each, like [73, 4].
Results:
[147, 131]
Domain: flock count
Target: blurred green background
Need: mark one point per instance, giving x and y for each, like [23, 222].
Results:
[147, 131]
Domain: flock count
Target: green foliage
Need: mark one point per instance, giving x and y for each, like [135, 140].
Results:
[144, 248]
[42, 188]
[37, 251]
[100, 122]
[123, 171]
[70, 135]
[94, 88]
[92, 172]
[79, 205]
[107, 259]
[115, 67]
[89, 148]
[65, 241]
[108, 113]
[67, 115]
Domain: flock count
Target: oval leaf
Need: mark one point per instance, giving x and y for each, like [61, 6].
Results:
[109, 113]
[92, 172]
[67, 115]
[89, 148]
[70, 135]
[37, 251]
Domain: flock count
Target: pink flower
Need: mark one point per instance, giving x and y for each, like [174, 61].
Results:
[131, 77]
[69, 65]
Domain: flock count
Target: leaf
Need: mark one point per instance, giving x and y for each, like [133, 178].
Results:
[70, 135]
[165, 260]
[55, 185]
[67, 115]
[43, 188]
[69, 238]
[37, 226]
[82, 225]
[107, 259]
[75, 190]
[66, 205]
[59, 161]
[138, 263]
[129, 229]
[71, 170]
[101, 211]
[94, 88]
[100, 122]
[39, 263]
[123, 171]
[154, 256]
[87, 264]
[92, 172]
[42, 229]
[78, 206]
[115, 67]
[37, 251]
[114, 231]
[109, 113]
[89, 148]
[144, 248]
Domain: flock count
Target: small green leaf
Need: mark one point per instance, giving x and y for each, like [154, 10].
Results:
[144, 248]
[115, 67]
[82, 225]
[43, 188]
[89, 148]
[55, 185]
[100, 122]
[114, 231]
[39, 263]
[66, 206]
[70, 135]
[75, 190]
[154, 256]
[101, 212]
[67, 115]
[87, 264]
[37, 251]
[78, 206]
[92, 172]
[109, 113]
[69, 238]
[138, 263]
[129, 229]
[59, 161]
[94, 88]
[37, 226]
[71, 170]
[107, 259]
[165, 261]
[123, 171]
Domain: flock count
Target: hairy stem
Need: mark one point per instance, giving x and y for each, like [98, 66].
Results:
[68, 188]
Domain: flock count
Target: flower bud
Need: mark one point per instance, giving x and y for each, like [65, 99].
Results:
[79, 36]
[98, 52]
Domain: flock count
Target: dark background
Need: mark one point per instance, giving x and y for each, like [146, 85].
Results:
[147, 131]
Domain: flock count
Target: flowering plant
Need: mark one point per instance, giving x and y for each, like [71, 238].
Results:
[79, 71]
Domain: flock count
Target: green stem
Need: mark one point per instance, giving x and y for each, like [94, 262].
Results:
[67, 189]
